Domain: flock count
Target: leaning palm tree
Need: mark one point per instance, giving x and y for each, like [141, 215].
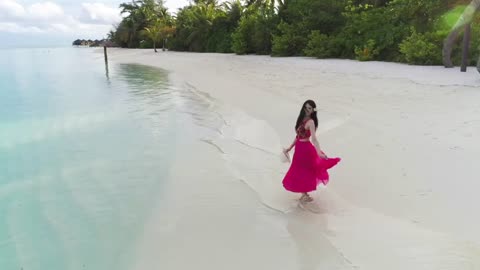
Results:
[465, 18]
[153, 32]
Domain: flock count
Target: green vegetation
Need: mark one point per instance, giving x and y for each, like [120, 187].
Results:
[409, 31]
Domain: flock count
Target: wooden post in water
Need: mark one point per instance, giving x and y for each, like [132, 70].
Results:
[106, 60]
[466, 44]
[105, 53]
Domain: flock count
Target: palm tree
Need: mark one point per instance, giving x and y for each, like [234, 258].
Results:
[165, 32]
[131, 21]
[153, 32]
[465, 18]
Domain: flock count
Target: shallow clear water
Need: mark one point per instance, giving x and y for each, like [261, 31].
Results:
[84, 152]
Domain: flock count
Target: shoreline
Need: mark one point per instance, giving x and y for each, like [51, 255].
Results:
[348, 66]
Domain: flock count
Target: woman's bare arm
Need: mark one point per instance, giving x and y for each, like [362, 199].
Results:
[311, 127]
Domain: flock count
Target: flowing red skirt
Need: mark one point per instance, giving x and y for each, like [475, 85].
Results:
[308, 169]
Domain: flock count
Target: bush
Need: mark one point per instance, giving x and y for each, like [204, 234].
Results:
[421, 49]
[219, 41]
[367, 52]
[289, 42]
[318, 45]
[254, 32]
[147, 44]
[366, 39]
[241, 38]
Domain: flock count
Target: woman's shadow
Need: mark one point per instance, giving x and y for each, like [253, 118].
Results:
[308, 226]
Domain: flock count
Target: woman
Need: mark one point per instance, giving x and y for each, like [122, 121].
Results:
[310, 164]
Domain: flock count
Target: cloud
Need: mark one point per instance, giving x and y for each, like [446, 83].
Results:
[100, 13]
[11, 9]
[94, 20]
[45, 11]
[15, 28]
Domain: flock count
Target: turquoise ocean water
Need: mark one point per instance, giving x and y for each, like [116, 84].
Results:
[84, 153]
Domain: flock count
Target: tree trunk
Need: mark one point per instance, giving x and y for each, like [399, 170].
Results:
[478, 64]
[464, 19]
[154, 46]
[163, 48]
[447, 47]
[466, 43]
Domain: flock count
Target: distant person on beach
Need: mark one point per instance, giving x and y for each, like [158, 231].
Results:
[310, 164]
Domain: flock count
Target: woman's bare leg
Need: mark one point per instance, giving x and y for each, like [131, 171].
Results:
[305, 197]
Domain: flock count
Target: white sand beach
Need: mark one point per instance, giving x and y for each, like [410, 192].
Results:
[405, 195]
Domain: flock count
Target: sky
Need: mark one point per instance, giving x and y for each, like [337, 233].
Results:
[38, 23]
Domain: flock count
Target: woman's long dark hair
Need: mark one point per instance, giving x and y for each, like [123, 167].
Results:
[302, 114]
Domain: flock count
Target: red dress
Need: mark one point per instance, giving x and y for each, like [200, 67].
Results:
[308, 169]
